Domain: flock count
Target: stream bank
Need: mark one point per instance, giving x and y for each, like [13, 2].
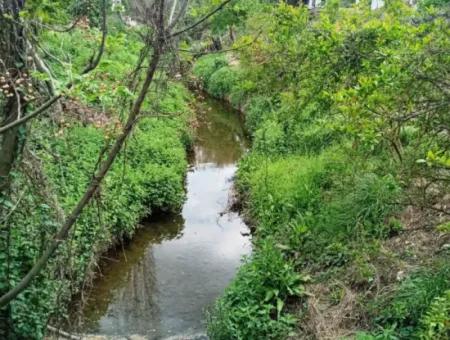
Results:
[175, 267]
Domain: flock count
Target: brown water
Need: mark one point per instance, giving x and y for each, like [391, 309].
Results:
[177, 265]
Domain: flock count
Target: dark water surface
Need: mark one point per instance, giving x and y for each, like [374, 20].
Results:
[178, 265]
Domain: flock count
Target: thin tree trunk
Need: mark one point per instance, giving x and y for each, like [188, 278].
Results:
[12, 57]
[172, 11]
[9, 143]
[12, 51]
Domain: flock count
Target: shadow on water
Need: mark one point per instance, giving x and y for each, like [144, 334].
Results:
[177, 265]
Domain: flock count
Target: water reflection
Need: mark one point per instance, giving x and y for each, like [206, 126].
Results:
[221, 138]
[125, 293]
[160, 284]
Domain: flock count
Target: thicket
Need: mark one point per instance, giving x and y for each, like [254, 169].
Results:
[348, 113]
[60, 155]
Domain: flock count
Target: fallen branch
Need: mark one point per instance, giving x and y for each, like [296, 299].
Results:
[26, 118]
[63, 334]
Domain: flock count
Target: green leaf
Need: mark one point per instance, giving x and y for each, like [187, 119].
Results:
[280, 305]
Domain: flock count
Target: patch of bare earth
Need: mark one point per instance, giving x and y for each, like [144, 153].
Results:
[335, 308]
[84, 114]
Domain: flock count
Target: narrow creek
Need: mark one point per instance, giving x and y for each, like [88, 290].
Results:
[159, 285]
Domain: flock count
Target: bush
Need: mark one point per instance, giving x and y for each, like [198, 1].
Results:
[257, 111]
[221, 82]
[207, 65]
[253, 306]
[270, 138]
[435, 324]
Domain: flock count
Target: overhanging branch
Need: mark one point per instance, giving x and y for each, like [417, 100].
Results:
[26, 118]
[93, 63]
[206, 17]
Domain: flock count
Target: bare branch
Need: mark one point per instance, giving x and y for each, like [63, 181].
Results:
[93, 63]
[180, 14]
[172, 11]
[69, 28]
[26, 118]
[206, 17]
[237, 48]
[95, 59]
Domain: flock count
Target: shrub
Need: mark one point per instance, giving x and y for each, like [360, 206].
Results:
[253, 306]
[256, 112]
[207, 65]
[270, 139]
[435, 324]
[221, 82]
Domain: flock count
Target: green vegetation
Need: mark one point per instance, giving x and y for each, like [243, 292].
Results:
[58, 163]
[207, 66]
[346, 185]
[253, 305]
[419, 305]
[347, 111]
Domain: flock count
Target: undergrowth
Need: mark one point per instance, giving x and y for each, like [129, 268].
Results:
[337, 155]
[60, 159]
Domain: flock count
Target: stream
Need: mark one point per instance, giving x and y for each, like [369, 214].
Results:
[176, 265]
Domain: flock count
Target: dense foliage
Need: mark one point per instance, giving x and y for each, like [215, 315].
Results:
[60, 155]
[348, 176]
[346, 185]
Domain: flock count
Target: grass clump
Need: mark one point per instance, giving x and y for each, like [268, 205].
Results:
[419, 307]
[254, 305]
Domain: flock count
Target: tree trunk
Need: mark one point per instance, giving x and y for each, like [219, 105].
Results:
[12, 62]
[12, 57]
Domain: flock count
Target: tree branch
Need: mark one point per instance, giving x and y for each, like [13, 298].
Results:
[24, 119]
[93, 63]
[206, 17]
[95, 59]
[180, 14]
[237, 48]
[172, 11]
[69, 28]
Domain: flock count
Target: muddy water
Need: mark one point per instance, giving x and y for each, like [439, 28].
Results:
[175, 266]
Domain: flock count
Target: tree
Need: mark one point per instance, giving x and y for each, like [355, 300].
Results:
[12, 66]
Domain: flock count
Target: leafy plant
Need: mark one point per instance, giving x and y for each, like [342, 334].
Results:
[254, 305]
